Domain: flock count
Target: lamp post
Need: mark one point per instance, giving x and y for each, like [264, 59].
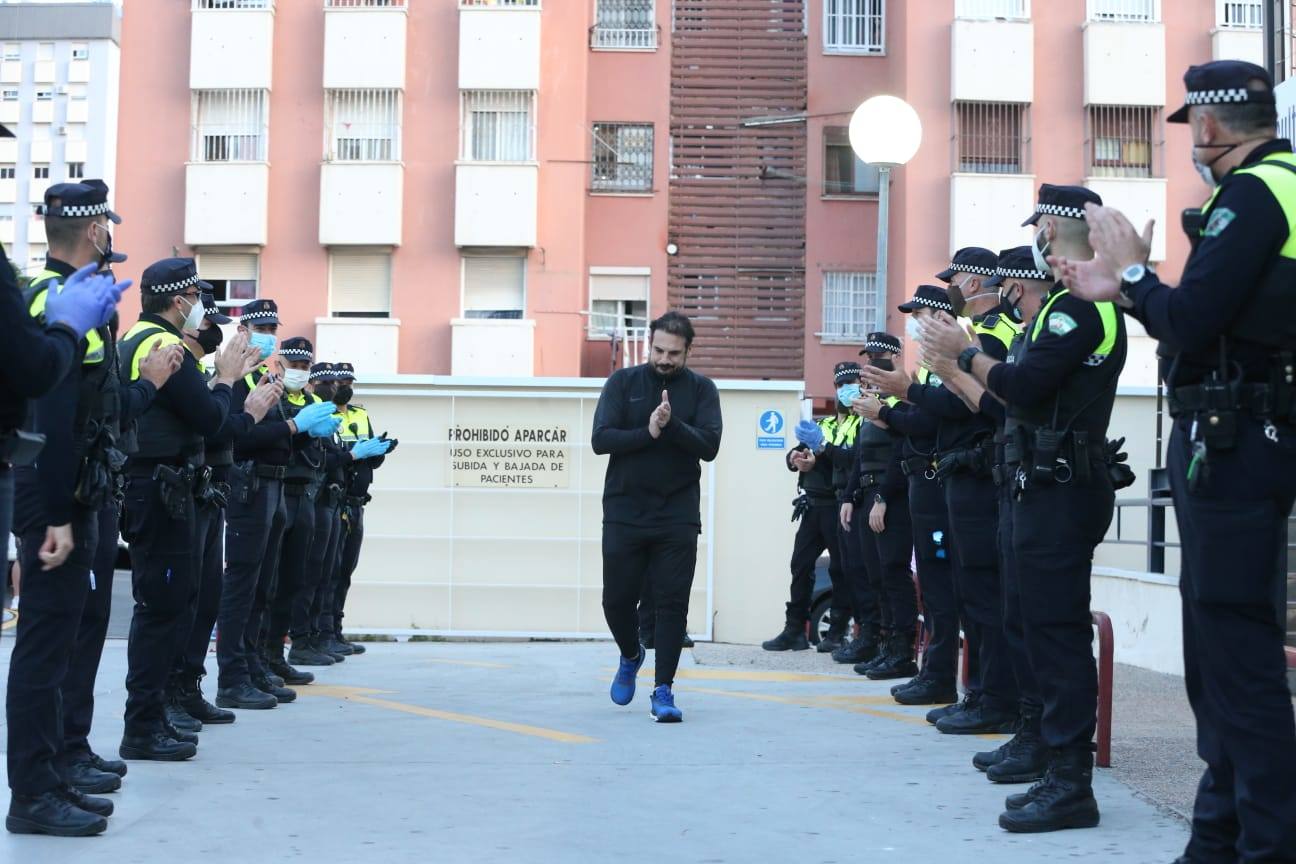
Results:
[884, 132]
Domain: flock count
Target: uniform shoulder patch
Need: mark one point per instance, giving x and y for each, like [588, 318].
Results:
[1220, 219]
[1060, 324]
[990, 321]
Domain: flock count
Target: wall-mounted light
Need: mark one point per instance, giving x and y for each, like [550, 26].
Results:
[672, 248]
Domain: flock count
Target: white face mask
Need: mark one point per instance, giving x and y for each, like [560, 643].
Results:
[912, 331]
[1038, 253]
[194, 319]
[1204, 171]
[295, 379]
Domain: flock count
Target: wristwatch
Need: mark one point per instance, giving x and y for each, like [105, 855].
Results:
[965, 358]
[1133, 273]
[878, 499]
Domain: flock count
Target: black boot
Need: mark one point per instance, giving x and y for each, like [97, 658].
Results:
[926, 692]
[88, 803]
[156, 747]
[191, 699]
[899, 661]
[84, 777]
[1063, 799]
[304, 653]
[793, 638]
[359, 648]
[176, 715]
[265, 685]
[245, 696]
[112, 766]
[1025, 758]
[179, 735]
[836, 635]
[912, 682]
[978, 720]
[326, 646]
[292, 676]
[52, 814]
[984, 759]
[862, 649]
[687, 643]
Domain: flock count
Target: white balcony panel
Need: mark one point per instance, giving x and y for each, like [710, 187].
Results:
[225, 203]
[78, 111]
[11, 72]
[993, 61]
[36, 231]
[1125, 63]
[10, 112]
[495, 205]
[988, 209]
[78, 71]
[1140, 199]
[492, 347]
[8, 150]
[1237, 44]
[8, 191]
[360, 203]
[77, 151]
[364, 48]
[370, 344]
[231, 49]
[499, 49]
[7, 229]
[36, 191]
[42, 152]
[43, 112]
[43, 72]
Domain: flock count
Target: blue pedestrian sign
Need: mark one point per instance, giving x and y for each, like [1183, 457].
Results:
[770, 436]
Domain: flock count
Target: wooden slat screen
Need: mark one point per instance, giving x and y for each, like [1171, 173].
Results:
[737, 195]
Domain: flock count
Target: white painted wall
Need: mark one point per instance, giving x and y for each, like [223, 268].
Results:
[364, 47]
[992, 61]
[226, 203]
[1234, 44]
[492, 347]
[231, 48]
[1141, 199]
[370, 344]
[496, 205]
[1146, 617]
[988, 209]
[499, 49]
[360, 203]
[1125, 63]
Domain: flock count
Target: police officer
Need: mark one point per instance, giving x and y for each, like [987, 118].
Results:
[876, 506]
[816, 508]
[255, 519]
[1228, 334]
[165, 478]
[1060, 393]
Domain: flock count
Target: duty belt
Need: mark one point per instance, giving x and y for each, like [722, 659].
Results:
[1258, 400]
[871, 478]
[920, 465]
[271, 472]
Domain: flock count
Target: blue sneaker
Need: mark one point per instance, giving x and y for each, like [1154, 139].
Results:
[663, 706]
[623, 685]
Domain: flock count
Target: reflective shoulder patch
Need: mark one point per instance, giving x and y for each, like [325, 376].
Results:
[1060, 324]
[1220, 219]
[934, 380]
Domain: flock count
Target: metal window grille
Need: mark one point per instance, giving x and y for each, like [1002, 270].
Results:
[498, 126]
[852, 307]
[233, 4]
[1246, 15]
[503, 4]
[230, 126]
[855, 26]
[367, 4]
[1011, 10]
[844, 173]
[1142, 11]
[625, 25]
[991, 138]
[1124, 141]
[623, 157]
[362, 125]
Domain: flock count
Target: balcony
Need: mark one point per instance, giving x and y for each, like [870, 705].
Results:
[8, 150]
[11, 72]
[8, 191]
[992, 61]
[1239, 31]
[36, 231]
[78, 111]
[78, 71]
[360, 203]
[231, 44]
[495, 204]
[43, 111]
[1125, 62]
[625, 25]
[1139, 198]
[492, 348]
[499, 46]
[370, 344]
[10, 112]
[42, 152]
[36, 191]
[43, 72]
[988, 209]
[225, 203]
[364, 44]
[76, 151]
[6, 227]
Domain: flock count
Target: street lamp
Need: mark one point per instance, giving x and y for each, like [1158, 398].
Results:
[884, 132]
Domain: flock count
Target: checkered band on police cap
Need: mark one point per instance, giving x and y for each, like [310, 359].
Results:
[971, 268]
[173, 287]
[879, 346]
[1008, 273]
[74, 211]
[1060, 210]
[1218, 97]
[254, 317]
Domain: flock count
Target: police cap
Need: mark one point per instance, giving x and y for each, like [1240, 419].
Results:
[297, 348]
[1223, 82]
[78, 201]
[172, 276]
[211, 311]
[259, 312]
[1065, 201]
[322, 372]
[1017, 263]
[881, 342]
[931, 297]
[344, 371]
[845, 371]
[970, 259]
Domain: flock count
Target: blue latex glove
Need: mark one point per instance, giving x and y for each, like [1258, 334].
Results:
[317, 419]
[326, 427]
[85, 301]
[370, 447]
[810, 435]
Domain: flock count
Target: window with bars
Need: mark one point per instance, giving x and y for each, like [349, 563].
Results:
[233, 277]
[233, 4]
[230, 126]
[992, 10]
[855, 26]
[844, 173]
[851, 307]
[505, 4]
[1235, 15]
[627, 25]
[1124, 141]
[371, 4]
[362, 125]
[494, 286]
[498, 126]
[1139, 11]
[991, 137]
[623, 157]
[360, 283]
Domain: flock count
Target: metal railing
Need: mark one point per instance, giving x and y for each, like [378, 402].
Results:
[629, 346]
[1124, 141]
[1009, 10]
[851, 306]
[1138, 11]
[364, 4]
[625, 25]
[991, 138]
[229, 126]
[233, 4]
[623, 157]
[497, 126]
[499, 4]
[854, 26]
[362, 125]
[1239, 14]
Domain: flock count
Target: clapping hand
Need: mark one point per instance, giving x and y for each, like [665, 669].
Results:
[661, 416]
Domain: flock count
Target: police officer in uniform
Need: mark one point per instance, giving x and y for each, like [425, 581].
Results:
[1228, 339]
[816, 508]
[1060, 393]
[877, 497]
[165, 479]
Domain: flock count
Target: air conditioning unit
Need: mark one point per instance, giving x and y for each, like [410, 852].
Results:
[63, 130]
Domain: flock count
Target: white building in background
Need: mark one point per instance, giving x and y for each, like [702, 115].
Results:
[59, 71]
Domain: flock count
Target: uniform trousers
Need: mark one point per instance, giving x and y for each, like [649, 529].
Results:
[249, 526]
[930, 516]
[887, 557]
[83, 668]
[817, 533]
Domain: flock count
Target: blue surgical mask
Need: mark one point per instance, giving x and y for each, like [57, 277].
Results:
[263, 342]
[848, 393]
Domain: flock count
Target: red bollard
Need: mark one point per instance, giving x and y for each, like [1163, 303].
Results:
[1106, 649]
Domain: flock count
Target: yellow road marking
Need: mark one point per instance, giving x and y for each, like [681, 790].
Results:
[364, 696]
[477, 664]
[710, 674]
[803, 702]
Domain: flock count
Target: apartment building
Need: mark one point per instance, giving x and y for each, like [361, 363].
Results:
[58, 109]
[513, 187]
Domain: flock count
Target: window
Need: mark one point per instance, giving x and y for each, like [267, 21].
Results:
[618, 304]
[625, 25]
[1139, 11]
[229, 126]
[623, 158]
[844, 173]
[77, 92]
[44, 94]
[990, 10]
[40, 172]
[6, 172]
[12, 51]
[233, 4]
[76, 170]
[1239, 15]
[362, 125]
[854, 26]
[991, 137]
[498, 126]
[45, 51]
[1123, 141]
[494, 286]
[233, 277]
[852, 307]
[360, 283]
[80, 51]
[9, 96]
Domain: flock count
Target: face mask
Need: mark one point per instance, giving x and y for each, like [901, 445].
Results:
[1038, 253]
[295, 379]
[105, 253]
[883, 364]
[210, 339]
[1010, 308]
[263, 342]
[195, 317]
[343, 395]
[326, 391]
[912, 331]
[848, 393]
